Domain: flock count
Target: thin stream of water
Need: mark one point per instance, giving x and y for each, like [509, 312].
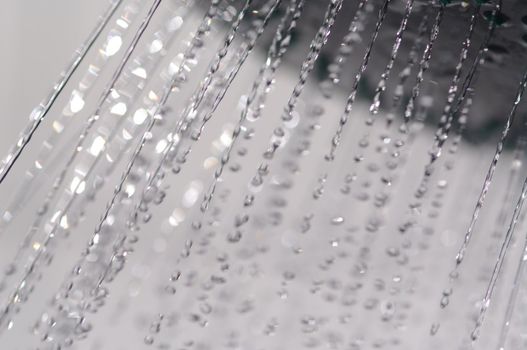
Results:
[357, 25]
[423, 67]
[381, 86]
[467, 83]
[513, 298]
[515, 167]
[316, 46]
[485, 303]
[405, 73]
[445, 122]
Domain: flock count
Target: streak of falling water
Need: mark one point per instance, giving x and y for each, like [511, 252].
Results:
[485, 303]
[449, 112]
[319, 190]
[478, 60]
[483, 194]
[462, 123]
[511, 305]
[513, 298]
[407, 70]
[335, 141]
[518, 156]
[40, 112]
[423, 67]
[381, 86]
[196, 134]
[285, 41]
[345, 49]
[266, 76]
[6, 311]
[446, 119]
[316, 46]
